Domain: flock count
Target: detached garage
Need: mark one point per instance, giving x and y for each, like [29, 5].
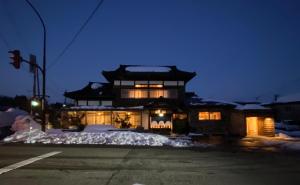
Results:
[252, 120]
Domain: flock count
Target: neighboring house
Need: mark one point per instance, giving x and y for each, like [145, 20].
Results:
[209, 116]
[286, 108]
[150, 98]
[252, 120]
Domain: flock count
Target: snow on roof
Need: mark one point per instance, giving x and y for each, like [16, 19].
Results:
[147, 69]
[251, 107]
[104, 107]
[96, 85]
[203, 101]
[288, 98]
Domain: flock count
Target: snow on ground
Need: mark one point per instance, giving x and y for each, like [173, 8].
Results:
[104, 138]
[295, 133]
[8, 117]
[98, 128]
[28, 132]
[282, 141]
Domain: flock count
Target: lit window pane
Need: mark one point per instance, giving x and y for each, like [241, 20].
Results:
[214, 115]
[203, 115]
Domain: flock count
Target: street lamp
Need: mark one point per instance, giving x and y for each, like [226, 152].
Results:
[34, 103]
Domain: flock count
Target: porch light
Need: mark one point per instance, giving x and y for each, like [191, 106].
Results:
[161, 114]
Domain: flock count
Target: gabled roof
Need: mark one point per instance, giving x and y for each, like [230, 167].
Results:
[139, 72]
[92, 91]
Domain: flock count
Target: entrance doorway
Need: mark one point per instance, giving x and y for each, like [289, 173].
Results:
[252, 126]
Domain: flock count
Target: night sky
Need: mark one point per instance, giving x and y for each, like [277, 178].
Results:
[241, 50]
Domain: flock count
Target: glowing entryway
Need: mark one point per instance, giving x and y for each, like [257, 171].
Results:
[263, 126]
[252, 126]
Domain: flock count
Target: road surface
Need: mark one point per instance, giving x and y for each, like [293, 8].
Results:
[89, 165]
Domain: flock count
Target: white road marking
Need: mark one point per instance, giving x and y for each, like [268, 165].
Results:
[26, 162]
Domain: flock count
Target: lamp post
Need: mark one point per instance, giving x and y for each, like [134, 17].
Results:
[44, 67]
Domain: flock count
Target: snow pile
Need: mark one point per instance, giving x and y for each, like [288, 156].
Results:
[8, 117]
[105, 138]
[24, 123]
[98, 128]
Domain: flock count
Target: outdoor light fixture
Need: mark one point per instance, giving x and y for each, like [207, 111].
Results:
[34, 103]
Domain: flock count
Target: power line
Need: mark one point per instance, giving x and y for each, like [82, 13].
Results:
[76, 35]
[5, 42]
[12, 20]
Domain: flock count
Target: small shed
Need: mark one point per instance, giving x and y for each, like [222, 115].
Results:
[252, 120]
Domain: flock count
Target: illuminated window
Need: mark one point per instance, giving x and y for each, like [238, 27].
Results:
[156, 93]
[156, 85]
[203, 115]
[141, 85]
[215, 115]
[140, 93]
[180, 116]
[148, 93]
[209, 116]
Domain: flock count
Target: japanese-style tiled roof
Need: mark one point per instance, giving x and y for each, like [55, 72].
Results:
[136, 72]
[92, 91]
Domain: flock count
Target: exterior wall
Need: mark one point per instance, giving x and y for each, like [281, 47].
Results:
[209, 126]
[145, 119]
[289, 111]
[237, 124]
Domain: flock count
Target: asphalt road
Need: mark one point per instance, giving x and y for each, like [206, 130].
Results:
[148, 166]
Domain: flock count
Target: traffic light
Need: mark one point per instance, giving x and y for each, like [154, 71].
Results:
[32, 62]
[16, 58]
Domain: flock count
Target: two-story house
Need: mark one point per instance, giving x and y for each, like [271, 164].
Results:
[144, 96]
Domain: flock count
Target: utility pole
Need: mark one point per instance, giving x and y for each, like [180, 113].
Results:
[44, 67]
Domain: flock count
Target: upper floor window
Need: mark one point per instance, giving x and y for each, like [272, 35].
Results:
[117, 82]
[127, 83]
[209, 116]
[82, 102]
[148, 93]
[93, 103]
[170, 83]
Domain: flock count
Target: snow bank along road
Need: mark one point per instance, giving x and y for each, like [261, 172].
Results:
[149, 166]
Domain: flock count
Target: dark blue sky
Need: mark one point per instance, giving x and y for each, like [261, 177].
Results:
[239, 49]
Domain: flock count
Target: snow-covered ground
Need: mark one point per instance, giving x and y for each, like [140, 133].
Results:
[282, 141]
[28, 131]
[103, 137]
[295, 133]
